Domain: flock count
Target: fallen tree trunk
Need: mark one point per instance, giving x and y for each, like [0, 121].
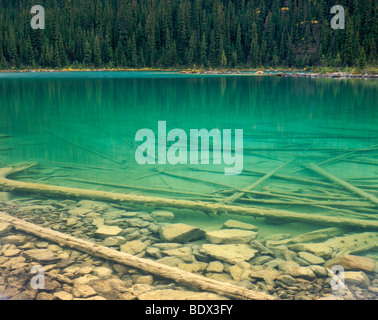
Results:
[178, 275]
[315, 168]
[238, 195]
[132, 199]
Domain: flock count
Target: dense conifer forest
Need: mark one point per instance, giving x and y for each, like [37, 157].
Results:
[187, 34]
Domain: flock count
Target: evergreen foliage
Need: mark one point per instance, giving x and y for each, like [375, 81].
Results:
[187, 33]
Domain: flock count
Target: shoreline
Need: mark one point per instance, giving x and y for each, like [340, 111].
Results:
[263, 72]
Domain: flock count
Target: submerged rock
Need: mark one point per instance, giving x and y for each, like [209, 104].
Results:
[154, 252]
[162, 215]
[339, 246]
[13, 239]
[318, 235]
[318, 249]
[5, 196]
[193, 267]
[240, 271]
[356, 278]
[215, 266]
[311, 258]
[234, 224]
[79, 211]
[298, 271]
[5, 228]
[181, 233]
[287, 279]
[94, 205]
[170, 294]
[42, 255]
[230, 236]
[353, 263]
[231, 253]
[133, 247]
[264, 272]
[170, 261]
[107, 231]
[184, 253]
[319, 271]
[114, 241]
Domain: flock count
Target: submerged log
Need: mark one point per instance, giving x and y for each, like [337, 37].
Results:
[281, 215]
[238, 195]
[176, 274]
[315, 168]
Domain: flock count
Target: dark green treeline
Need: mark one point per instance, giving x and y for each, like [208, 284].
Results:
[187, 33]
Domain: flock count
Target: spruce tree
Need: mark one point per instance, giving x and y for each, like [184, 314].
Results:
[239, 46]
[203, 51]
[362, 58]
[87, 53]
[97, 53]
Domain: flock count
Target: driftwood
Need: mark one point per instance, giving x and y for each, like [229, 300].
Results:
[238, 195]
[298, 201]
[133, 199]
[123, 186]
[308, 196]
[315, 168]
[343, 156]
[193, 179]
[178, 275]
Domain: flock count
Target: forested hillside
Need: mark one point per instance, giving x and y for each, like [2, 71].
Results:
[187, 33]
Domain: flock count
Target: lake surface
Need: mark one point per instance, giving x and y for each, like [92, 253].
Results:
[80, 128]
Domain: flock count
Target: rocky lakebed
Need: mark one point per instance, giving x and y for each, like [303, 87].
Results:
[286, 266]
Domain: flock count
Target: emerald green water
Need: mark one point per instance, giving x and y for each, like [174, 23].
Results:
[82, 126]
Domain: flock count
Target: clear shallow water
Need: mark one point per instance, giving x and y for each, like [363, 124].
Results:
[80, 127]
